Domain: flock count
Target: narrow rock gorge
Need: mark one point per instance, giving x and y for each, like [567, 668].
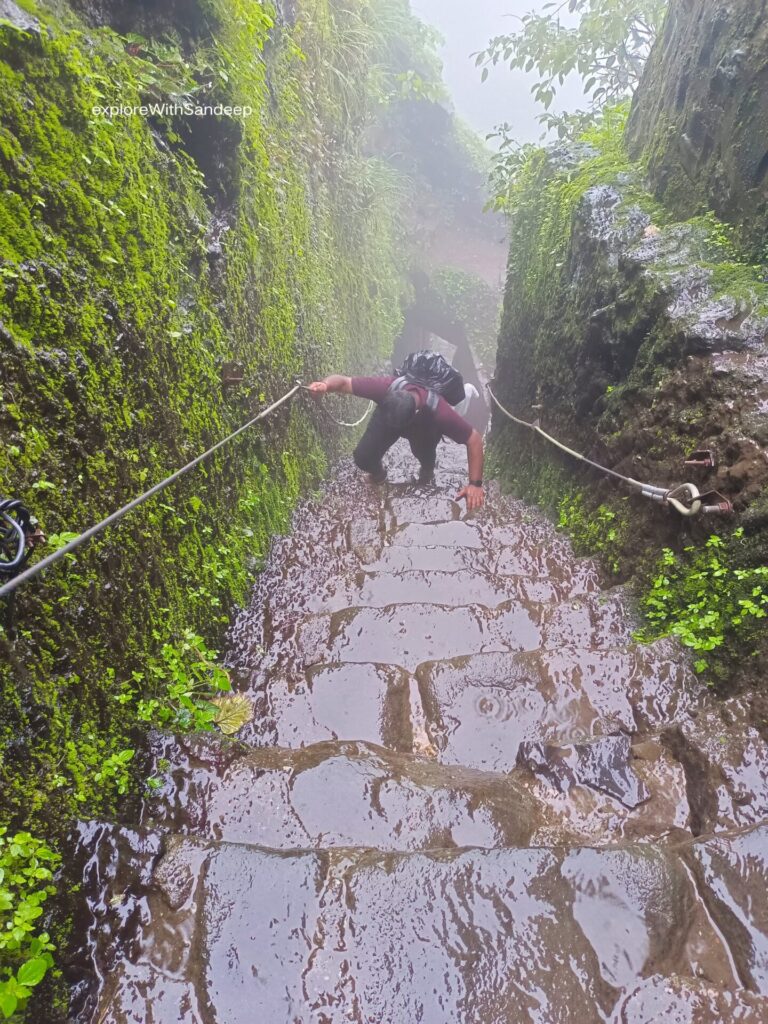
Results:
[284, 744]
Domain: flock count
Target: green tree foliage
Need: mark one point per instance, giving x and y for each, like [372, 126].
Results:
[607, 47]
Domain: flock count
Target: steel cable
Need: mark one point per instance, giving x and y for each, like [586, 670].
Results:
[28, 574]
[674, 496]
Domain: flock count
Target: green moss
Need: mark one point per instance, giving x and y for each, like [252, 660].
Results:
[603, 530]
[137, 256]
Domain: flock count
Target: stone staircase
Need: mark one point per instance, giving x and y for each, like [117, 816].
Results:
[466, 797]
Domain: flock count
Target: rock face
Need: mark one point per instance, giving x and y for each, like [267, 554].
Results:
[701, 112]
[637, 355]
[445, 810]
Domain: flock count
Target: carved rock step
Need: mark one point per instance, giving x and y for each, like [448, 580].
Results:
[475, 709]
[726, 763]
[442, 578]
[372, 703]
[407, 635]
[532, 936]
[448, 587]
[480, 708]
[445, 588]
[355, 794]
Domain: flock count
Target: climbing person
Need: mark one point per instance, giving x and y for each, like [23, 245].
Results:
[408, 407]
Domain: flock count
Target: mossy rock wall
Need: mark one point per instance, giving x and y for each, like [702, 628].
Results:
[634, 338]
[140, 255]
[700, 115]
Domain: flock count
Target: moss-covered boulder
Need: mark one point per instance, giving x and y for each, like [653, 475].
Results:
[700, 115]
[636, 339]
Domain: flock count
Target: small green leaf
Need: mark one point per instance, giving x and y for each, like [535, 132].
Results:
[8, 1004]
[32, 972]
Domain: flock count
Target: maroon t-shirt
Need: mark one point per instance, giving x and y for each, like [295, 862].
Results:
[444, 416]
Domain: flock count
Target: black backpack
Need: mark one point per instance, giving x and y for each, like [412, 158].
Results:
[433, 372]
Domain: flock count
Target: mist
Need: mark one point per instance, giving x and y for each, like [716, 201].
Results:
[505, 96]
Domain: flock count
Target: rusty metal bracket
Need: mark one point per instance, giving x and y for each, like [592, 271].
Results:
[715, 503]
[232, 376]
[703, 457]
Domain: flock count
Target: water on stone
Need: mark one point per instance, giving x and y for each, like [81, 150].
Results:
[467, 796]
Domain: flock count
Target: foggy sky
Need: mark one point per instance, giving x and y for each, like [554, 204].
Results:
[467, 26]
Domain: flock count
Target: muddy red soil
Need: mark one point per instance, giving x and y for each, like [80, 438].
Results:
[467, 795]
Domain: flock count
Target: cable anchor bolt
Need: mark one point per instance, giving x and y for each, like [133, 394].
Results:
[702, 458]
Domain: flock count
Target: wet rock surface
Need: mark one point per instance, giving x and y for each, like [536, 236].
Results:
[466, 795]
[705, 84]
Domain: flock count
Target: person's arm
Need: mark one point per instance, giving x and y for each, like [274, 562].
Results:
[333, 385]
[473, 492]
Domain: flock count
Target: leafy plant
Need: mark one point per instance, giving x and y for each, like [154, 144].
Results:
[183, 680]
[607, 47]
[706, 599]
[26, 873]
[115, 771]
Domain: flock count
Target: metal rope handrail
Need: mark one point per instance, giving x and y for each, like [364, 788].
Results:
[28, 574]
[674, 496]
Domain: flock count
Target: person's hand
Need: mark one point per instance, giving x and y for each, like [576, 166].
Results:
[318, 387]
[475, 497]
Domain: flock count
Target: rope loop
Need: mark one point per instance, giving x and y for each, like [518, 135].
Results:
[15, 527]
[342, 423]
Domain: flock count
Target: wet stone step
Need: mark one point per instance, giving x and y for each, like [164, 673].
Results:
[422, 507]
[342, 795]
[472, 935]
[679, 1000]
[407, 635]
[427, 559]
[732, 872]
[603, 764]
[363, 702]
[457, 534]
[726, 759]
[519, 554]
[594, 620]
[480, 708]
[559, 576]
[279, 798]
[644, 686]
[457, 589]
[382, 589]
